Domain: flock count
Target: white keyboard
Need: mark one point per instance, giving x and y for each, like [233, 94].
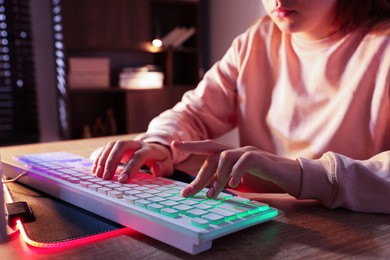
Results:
[150, 205]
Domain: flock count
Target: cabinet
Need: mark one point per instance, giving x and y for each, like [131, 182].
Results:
[122, 30]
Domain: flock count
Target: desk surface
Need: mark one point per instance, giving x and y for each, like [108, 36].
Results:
[304, 229]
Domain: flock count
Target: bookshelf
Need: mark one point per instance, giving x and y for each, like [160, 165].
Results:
[122, 31]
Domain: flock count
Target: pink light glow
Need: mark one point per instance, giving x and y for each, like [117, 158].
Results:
[69, 244]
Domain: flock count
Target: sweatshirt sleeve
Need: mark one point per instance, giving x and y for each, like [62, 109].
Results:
[206, 112]
[338, 181]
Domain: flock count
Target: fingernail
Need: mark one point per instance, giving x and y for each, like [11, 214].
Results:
[176, 143]
[156, 169]
[233, 182]
[106, 174]
[123, 177]
[210, 193]
[99, 171]
[93, 167]
[187, 190]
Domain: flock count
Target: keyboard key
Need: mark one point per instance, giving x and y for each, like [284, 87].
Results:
[122, 189]
[261, 206]
[155, 207]
[169, 203]
[193, 213]
[115, 194]
[114, 185]
[144, 195]
[133, 192]
[172, 213]
[103, 190]
[131, 199]
[156, 199]
[177, 198]
[73, 180]
[190, 202]
[212, 202]
[224, 196]
[94, 187]
[142, 203]
[214, 218]
[85, 184]
[203, 206]
[182, 208]
[239, 199]
[200, 222]
[225, 213]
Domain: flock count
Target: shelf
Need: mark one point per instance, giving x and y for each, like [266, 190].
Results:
[122, 31]
[95, 90]
[145, 49]
[123, 90]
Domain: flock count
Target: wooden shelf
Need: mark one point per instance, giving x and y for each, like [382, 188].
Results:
[122, 30]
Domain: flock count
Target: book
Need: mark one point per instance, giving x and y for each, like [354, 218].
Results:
[80, 64]
[88, 72]
[89, 80]
[172, 35]
[183, 37]
[141, 78]
[176, 37]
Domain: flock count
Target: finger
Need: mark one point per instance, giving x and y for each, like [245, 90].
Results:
[130, 170]
[205, 147]
[97, 154]
[240, 168]
[203, 177]
[111, 156]
[164, 168]
[162, 164]
[100, 161]
[118, 151]
[223, 172]
[146, 155]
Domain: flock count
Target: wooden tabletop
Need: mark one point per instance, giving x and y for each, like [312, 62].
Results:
[303, 229]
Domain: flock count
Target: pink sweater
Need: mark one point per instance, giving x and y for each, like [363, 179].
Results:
[325, 103]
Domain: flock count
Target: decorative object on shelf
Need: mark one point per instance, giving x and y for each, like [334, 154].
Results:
[87, 131]
[145, 77]
[177, 36]
[110, 122]
[98, 129]
[89, 72]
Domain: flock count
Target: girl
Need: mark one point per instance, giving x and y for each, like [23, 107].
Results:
[308, 87]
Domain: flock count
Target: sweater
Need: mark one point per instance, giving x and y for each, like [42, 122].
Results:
[325, 103]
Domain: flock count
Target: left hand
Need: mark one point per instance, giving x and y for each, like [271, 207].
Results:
[227, 165]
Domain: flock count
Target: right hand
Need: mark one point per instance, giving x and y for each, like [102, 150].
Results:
[134, 154]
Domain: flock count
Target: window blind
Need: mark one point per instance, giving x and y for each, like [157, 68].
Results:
[62, 99]
[18, 103]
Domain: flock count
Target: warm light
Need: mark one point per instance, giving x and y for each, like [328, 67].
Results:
[157, 43]
[70, 243]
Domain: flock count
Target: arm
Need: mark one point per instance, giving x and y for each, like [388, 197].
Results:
[206, 112]
[339, 181]
[334, 180]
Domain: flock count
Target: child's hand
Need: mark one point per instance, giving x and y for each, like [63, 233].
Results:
[227, 165]
[134, 154]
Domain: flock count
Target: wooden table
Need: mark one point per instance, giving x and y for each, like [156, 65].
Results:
[303, 229]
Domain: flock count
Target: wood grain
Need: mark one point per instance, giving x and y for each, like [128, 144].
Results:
[303, 229]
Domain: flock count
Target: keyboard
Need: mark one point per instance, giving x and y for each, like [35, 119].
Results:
[150, 205]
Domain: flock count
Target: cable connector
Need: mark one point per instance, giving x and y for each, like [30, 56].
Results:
[19, 210]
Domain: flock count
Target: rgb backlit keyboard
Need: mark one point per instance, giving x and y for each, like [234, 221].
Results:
[148, 204]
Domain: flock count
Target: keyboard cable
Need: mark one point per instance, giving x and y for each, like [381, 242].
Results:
[10, 199]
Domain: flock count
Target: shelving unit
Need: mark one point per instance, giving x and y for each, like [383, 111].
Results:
[122, 30]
